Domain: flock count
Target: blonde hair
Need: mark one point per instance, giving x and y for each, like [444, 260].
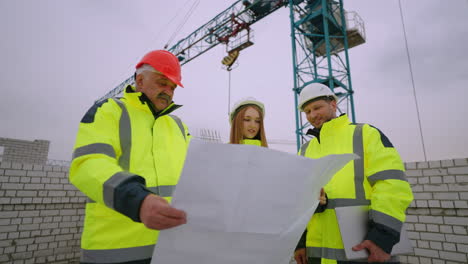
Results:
[237, 127]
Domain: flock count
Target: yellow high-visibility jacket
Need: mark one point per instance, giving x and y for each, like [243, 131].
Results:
[124, 151]
[254, 142]
[376, 180]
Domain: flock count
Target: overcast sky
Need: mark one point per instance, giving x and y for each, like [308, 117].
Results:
[57, 57]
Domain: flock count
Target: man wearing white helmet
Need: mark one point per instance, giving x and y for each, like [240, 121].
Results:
[376, 180]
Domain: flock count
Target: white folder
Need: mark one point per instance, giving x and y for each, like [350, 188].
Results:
[352, 221]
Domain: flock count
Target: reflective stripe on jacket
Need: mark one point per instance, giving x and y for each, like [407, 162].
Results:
[377, 180]
[122, 142]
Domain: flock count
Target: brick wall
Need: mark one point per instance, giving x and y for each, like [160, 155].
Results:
[23, 151]
[41, 214]
[437, 219]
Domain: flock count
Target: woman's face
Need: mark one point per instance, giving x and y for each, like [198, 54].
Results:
[251, 123]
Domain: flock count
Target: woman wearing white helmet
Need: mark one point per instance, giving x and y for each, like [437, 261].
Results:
[247, 123]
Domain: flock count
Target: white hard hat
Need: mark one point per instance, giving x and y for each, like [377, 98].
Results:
[246, 101]
[312, 91]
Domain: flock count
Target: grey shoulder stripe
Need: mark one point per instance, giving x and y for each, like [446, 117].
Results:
[387, 175]
[304, 148]
[96, 148]
[179, 123]
[125, 132]
[385, 220]
[111, 184]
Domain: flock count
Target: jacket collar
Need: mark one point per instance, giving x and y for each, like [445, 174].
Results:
[255, 142]
[333, 124]
[337, 122]
[141, 101]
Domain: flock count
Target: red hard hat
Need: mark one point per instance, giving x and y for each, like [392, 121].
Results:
[164, 62]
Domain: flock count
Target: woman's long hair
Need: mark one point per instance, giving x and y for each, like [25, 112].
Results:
[237, 127]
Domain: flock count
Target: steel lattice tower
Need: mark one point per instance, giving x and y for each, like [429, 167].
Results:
[321, 37]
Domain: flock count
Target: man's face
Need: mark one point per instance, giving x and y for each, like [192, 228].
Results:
[319, 112]
[157, 88]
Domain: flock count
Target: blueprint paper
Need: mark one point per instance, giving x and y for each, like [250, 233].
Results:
[244, 204]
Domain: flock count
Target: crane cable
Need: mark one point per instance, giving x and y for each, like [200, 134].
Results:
[229, 93]
[184, 20]
[169, 22]
[412, 81]
[229, 69]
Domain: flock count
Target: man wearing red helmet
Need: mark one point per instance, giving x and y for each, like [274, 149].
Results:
[127, 159]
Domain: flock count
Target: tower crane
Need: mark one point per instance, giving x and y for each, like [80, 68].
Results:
[321, 34]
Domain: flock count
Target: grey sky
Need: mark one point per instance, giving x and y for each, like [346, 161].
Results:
[59, 56]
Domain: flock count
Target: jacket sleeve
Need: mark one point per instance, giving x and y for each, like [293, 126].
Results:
[95, 169]
[391, 193]
[302, 241]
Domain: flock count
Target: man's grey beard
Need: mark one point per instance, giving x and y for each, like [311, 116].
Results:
[165, 97]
